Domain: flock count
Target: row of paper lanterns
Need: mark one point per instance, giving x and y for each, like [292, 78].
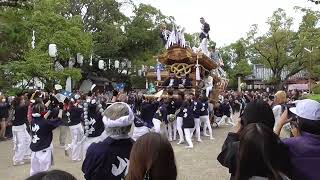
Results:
[53, 52]
[101, 63]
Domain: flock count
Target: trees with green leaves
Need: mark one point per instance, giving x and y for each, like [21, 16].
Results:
[88, 27]
[281, 48]
[50, 26]
[142, 33]
[235, 57]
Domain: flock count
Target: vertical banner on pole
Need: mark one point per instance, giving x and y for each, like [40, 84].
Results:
[198, 78]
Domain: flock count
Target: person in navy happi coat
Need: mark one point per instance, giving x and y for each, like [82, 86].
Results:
[41, 143]
[109, 159]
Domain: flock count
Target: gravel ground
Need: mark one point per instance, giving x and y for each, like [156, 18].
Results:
[198, 163]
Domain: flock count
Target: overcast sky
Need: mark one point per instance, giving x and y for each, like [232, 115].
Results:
[229, 19]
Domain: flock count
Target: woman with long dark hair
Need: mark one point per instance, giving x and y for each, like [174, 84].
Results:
[259, 154]
[254, 112]
[152, 158]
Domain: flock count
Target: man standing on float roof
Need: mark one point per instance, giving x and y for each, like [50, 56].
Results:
[205, 28]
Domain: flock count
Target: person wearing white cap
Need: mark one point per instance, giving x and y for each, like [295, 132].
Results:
[109, 159]
[304, 148]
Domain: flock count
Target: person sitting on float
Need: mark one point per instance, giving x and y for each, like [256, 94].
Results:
[215, 55]
[185, 82]
[171, 82]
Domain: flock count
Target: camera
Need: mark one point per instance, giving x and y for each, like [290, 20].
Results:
[288, 106]
[271, 97]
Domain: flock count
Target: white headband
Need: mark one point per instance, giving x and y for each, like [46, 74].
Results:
[120, 122]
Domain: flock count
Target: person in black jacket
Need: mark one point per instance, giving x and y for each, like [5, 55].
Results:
[254, 112]
[218, 113]
[185, 82]
[160, 119]
[41, 143]
[197, 106]
[21, 137]
[148, 110]
[171, 82]
[75, 116]
[4, 114]
[172, 107]
[64, 125]
[186, 113]
[226, 109]
[180, 114]
[93, 124]
[204, 117]
[204, 29]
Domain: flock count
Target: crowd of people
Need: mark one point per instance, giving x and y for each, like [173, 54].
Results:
[121, 135]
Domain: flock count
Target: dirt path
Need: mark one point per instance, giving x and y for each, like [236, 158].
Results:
[193, 164]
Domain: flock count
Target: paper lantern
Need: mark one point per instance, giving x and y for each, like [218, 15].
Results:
[69, 84]
[33, 40]
[123, 64]
[79, 58]
[58, 66]
[129, 64]
[90, 64]
[116, 64]
[52, 50]
[101, 64]
[71, 62]
[198, 78]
